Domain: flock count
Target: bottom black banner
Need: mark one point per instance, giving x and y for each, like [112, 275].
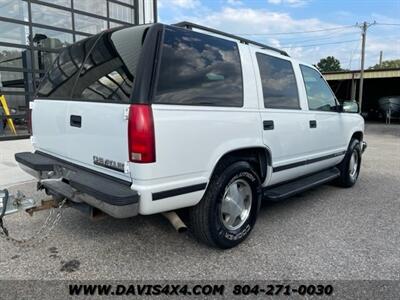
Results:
[311, 289]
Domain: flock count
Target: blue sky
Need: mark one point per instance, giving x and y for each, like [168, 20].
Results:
[266, 20]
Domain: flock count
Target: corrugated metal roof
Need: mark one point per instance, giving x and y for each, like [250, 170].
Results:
[368, 74]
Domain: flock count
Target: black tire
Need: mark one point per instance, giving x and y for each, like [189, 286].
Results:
[346, 178]
[206, 219]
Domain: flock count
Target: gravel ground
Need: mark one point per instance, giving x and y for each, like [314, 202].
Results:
[326, 233]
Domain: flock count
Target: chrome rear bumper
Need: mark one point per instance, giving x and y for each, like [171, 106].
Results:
[110, 195]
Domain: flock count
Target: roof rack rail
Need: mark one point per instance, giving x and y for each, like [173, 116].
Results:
[190, 25]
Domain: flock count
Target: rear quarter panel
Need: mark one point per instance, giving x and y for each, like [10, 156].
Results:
[189, 143]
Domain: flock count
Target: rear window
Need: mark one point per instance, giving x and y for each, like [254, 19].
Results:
[101, 68]
[198, 69]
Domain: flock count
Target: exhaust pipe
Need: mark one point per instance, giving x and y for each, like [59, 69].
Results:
[176, 221]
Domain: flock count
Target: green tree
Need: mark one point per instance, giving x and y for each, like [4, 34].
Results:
[329, 64]
[387, 64]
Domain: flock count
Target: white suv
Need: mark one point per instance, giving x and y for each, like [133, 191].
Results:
[155, 118]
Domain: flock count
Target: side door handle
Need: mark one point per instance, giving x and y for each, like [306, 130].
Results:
[313, 124]
[268, 125]
[75, 121]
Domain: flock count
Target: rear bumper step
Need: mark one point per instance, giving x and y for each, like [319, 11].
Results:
[112, 196]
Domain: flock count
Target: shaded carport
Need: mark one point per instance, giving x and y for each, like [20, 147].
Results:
[377, 84]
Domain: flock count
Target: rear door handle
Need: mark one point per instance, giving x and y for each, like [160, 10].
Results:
[75, 121]
[313, 124]
[268, 125]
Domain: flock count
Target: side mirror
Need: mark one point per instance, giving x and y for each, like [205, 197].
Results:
[350, 107]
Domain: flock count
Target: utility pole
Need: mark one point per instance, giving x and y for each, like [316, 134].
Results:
[364, 27]
[380, 59]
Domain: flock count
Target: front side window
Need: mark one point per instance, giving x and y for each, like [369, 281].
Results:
[198, 69]
[319, 94]
[278, 82]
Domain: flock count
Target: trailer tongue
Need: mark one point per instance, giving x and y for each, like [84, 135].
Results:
[14, 203]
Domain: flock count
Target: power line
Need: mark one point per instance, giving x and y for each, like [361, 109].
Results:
[312, 45]
[331, 36]
[312, 31]
[388, 24]
[353, 53]
[317, 36]
[298, 32]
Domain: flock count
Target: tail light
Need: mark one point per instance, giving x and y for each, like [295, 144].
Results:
[141, 134]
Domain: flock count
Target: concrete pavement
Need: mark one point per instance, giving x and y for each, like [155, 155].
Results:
[10, 173]
[326, 233]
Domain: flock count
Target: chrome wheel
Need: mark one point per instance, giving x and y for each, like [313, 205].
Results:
[353, 164]
[236, 204]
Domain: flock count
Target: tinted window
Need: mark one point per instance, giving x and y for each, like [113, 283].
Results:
[60, 79]
[319, 94]
[197, 69]
[278, 82]
[101, 68]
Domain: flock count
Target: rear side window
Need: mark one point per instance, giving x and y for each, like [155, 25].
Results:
[278, 82]
[198, 69]
[101, 68]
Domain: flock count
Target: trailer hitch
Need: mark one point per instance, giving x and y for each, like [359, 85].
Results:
[10, 204]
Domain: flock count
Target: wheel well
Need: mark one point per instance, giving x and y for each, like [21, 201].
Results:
[357, 135]
[258, 157]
